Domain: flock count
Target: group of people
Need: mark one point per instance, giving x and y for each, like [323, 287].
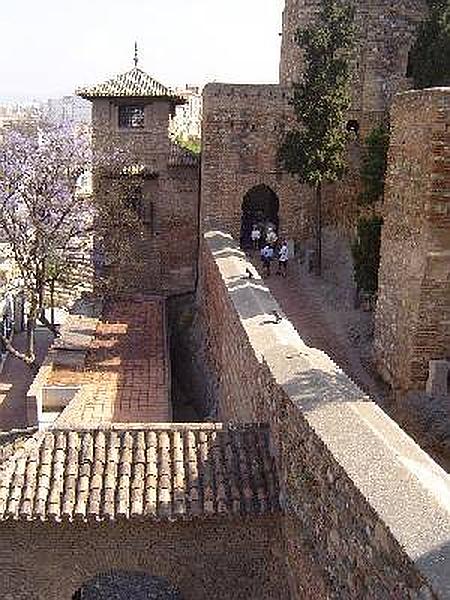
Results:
[270, 250]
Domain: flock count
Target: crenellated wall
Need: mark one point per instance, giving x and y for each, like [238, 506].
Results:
[367, 512]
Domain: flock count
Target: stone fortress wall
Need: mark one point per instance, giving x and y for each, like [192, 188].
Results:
[168, 248]
[231, 559]
[413, 313]
[244, 125]
[242, 128]
[371, 524]
[385, 32]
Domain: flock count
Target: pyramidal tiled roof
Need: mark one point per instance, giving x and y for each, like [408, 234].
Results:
[134, 83]
[160, 472]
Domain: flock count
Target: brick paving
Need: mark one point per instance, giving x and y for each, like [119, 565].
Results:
[126, 375]
[304, 307]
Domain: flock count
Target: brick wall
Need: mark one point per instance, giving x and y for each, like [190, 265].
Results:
[352, 499]
[228, 559]
[242, 129]
[413, 313]
[163, 256]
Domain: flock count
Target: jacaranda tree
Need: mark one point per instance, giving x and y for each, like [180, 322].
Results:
[40, 212]
[315, 149]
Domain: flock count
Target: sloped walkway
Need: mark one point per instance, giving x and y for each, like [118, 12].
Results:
[306, 308]
[126, 377]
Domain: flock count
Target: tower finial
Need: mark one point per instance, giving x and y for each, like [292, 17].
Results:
[136, 59]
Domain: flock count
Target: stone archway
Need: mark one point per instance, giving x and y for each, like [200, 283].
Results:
[260, 206]
[122, 585]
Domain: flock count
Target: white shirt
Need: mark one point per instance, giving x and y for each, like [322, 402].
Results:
[284, 253]
[256, 234]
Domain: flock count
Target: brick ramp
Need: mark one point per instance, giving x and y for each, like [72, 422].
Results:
[126, 376]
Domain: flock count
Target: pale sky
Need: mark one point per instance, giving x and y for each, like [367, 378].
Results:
[50, 47]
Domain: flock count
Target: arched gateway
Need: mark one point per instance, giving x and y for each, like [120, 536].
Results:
[125, 585]
[260, 207]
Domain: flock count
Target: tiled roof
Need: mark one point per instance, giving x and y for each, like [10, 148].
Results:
[170, 471]
[13, 440]
[181, 157]
[134, 83]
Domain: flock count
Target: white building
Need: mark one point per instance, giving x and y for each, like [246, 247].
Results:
[187, 122]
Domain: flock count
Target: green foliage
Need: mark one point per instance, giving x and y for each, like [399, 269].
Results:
[374, 165]
[366, 254]
[315, 150]
[429, 63]
[193, 144]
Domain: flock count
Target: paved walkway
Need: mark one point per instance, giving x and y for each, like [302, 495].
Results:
[126, 378]
[305, 307]
[15, 380]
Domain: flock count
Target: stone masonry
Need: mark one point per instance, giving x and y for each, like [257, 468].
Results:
[413, 313]
[366, 511]
[384, 35]
[243, 126]
[165, 174]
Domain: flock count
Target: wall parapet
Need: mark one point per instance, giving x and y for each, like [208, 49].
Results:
[359, 494]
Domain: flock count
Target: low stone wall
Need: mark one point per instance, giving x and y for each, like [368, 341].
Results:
[67, 352]
[367, 512]
[227, 559]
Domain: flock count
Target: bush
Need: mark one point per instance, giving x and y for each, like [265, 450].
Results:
[366, 254]
[374, 165]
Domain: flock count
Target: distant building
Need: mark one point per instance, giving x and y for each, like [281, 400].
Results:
[16, 113]
[70, 109]
[187, 122]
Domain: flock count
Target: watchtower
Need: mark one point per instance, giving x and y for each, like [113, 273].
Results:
[131, 113]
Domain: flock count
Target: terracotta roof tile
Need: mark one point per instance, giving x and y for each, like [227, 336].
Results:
[181, 157]
[134, 83]
[160, 471]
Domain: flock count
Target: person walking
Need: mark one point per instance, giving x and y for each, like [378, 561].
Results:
[266, 258]
[256, 237]
[283, 257]
[271, 237]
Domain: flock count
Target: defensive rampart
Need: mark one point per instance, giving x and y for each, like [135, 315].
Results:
[367, 512]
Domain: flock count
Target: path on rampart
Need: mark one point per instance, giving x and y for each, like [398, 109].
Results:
[126, 375]
[306, 309]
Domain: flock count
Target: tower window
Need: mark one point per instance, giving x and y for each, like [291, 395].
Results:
[131, 117]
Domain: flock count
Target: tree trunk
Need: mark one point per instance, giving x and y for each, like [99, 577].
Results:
[31, 328]
[52, 302]
[318, 261]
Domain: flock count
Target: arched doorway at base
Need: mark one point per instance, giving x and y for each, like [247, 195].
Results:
[122, 585]
[259, 207]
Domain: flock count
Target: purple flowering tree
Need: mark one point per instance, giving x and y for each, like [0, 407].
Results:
[41, 213]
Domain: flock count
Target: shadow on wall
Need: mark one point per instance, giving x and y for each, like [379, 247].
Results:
[439, 578]
[316, 387]
[125, 585]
